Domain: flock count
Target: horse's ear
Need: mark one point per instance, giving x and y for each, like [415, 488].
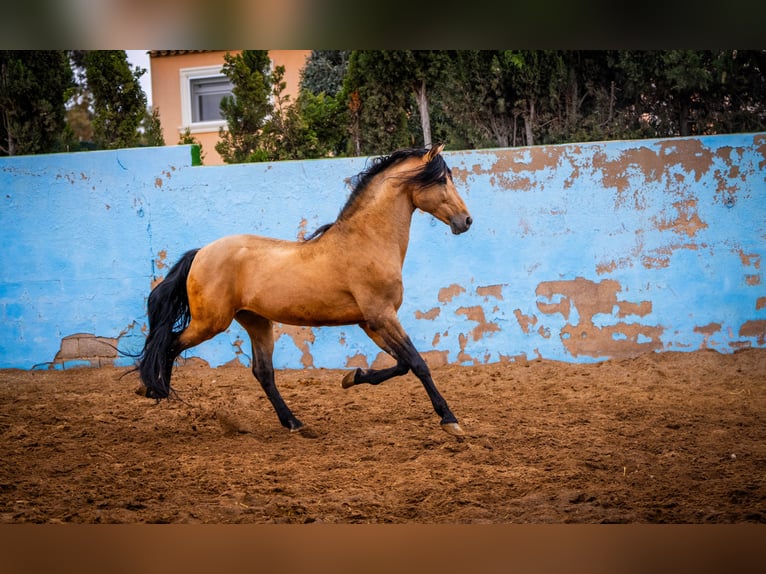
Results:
[433, 152]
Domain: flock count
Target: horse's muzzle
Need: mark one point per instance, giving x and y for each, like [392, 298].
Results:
[460, 223]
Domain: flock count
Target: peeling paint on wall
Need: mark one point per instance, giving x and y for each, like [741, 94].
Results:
[302, 338]
[446, 294]
[611, 338]
[578, 252]
[755, 329]
[495, 291]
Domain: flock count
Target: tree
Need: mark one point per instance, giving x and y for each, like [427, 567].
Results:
[248, 109]
[34, 88]
[325, 71]
[693, 92]
[320, 104]
[580, 97]
[482, 98]
[537, 76]
[426, 71]
[379, 107]
[79, 119]
[119, 103]
[478, 100]
[285, 134]
[740, 90]
[387, 93]
[151, 129]
[265, 125]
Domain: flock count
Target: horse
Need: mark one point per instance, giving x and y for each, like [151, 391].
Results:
[346, 272]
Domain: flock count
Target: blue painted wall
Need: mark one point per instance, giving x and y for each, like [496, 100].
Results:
[578, 252]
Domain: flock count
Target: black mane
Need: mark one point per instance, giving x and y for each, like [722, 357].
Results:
[433, 172]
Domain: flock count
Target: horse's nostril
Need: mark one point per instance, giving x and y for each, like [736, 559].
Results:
[468, 221]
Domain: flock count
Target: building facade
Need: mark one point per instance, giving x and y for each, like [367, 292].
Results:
[187, 87]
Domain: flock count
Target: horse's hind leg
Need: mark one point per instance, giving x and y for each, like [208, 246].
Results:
[375, 376]
[261, 335]
[389, 335]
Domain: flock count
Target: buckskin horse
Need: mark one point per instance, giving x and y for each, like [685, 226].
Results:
[347, 272]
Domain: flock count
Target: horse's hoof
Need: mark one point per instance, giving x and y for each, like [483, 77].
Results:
[453, 429]
[296, 426]
[349, 380]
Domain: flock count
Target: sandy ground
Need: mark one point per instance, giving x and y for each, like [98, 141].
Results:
[662, 438]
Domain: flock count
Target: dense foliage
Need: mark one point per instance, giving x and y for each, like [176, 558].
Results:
[61, 100]
[34, 88]
[366, 102]
[119, 102]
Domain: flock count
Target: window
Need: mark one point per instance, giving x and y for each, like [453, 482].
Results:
[206, 95]
[201, 92]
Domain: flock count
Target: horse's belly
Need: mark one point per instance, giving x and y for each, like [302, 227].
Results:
[301, 308]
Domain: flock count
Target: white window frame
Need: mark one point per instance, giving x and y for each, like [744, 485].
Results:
[187, 75]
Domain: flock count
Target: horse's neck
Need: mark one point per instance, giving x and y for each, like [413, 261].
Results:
[383, 219]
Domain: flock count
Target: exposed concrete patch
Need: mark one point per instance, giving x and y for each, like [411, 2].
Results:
[476, 314]
[488, 291]
[589, 298]
[235, 362]
[302, 337]
[382, 361]
[160, 263]
[302, 229]
[618, 172]
[642, 309]
[750, 259]
[447, 294]
[619, 341]
[660, 258]
[729, 181]
[429, 315]
[651, 164]
[86, 349]
[525, 321]
[357, 361]
[564, 306]
[239, 354]
[512, 171]
[708, 331]
[754, 328]
[687, 221]
[760, 141]
[435, 358]
[462, 356]
[636, 253]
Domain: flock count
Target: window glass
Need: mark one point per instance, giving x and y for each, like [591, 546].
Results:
[206, 95]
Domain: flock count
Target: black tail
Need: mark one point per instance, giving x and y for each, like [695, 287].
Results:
[168, 313]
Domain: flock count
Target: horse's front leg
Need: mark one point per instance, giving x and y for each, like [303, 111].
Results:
[389, 335]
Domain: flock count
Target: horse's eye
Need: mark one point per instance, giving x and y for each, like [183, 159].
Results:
[443, 180]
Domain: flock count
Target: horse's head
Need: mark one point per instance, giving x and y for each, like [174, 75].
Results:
[436, 193]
